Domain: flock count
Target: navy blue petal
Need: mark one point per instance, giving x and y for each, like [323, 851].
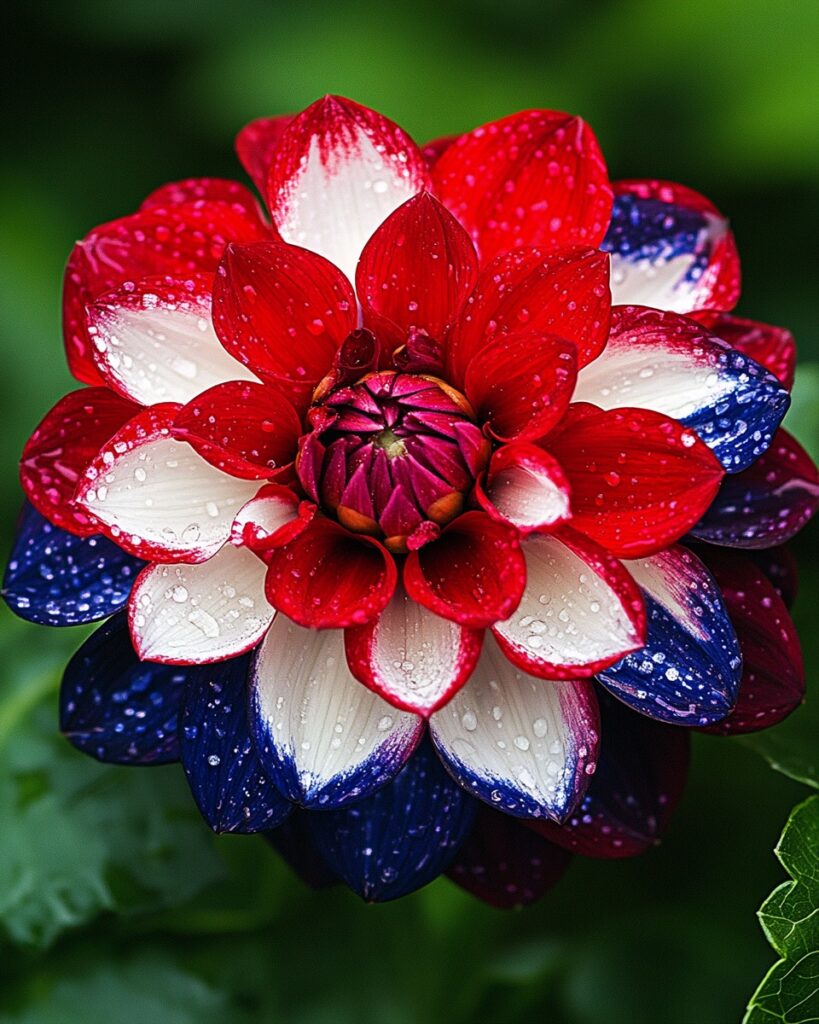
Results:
[293, 841]
[401, 837]
[117, 708]
[689, 671]
[224, 771]
[57, 579]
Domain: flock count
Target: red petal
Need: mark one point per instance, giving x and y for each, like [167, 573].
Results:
[194, 190]
[779, 566]
[283, 312]
[473, 574]
[256, 145]
[772, 347]
[435, 148]
[526, 487]
[773, 676]
[639, 479]
[175, 240]
[248, 430]
[533, 178]
[415, 272]
[271, 519]
[566, 293]
[58, 452]
[521, 384]
[328, 578]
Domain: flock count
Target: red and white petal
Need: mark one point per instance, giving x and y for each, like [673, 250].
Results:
[245, 428]
[771, 347]
[565, 293]
[415, 272]
[272, 518]
[328, 578]
[533, 178]
[412, 657]
[175, 239]
[58, 452]
[156, 497]
[195, 190]
[580, 611]
[256, 145]
[526, 487]
[671, 248]
[195, 614]
[521, 384]
[526, 746]
[339, 171]
[153, 340]
[639, 480]
[324, 738]
[473, 573]
[282, 312]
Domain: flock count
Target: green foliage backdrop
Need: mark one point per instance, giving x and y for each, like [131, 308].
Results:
[116, 905]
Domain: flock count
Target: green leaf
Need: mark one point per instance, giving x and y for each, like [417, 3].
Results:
[790, 919]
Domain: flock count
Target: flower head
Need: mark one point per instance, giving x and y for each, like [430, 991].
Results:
[392, 485]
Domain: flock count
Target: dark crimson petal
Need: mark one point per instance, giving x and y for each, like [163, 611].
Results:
[773, 676]
[639, 780]
[771, 347]
[416, 272]
[58, 579]
[768, 503]
[223, 769]
[435, 148]
[533, 178]
[473, 574]
[564, 293]
[639, 479]
[61, 448]
[293, 841]
[328, 578]
[779, 565]
[521, 384]
[689, 670]
[117, 708]
[172, 239]
[283, 312]
[193, 190]
[400, 838]
[671, 249]
[256, 145]
[505, 864]
[248, 430]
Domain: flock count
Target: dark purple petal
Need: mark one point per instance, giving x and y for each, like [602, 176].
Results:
[293, 841]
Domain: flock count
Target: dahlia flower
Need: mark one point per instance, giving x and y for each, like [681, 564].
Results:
[432, 506]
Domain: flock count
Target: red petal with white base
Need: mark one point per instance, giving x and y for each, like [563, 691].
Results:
[256, 145]
[415, 272]
[564, 293]
[771, 347]
[533, 178]
[272, 518]
[412, 657]
[773, 676]
[327, 578]
[639, 479]
[195, 614]
[58, 452]
[243, 428]
[473, 573]
[580, 612]
[194, 190]
[283, 312]
[339, 171]
[156, 497]
[521, 384]
[175, 240]
[526, 487]
[154, 341]
[523, 745]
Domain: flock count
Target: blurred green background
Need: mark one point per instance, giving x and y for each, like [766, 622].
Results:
[116, 905]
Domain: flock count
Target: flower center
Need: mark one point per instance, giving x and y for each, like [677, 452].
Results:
[393, 455]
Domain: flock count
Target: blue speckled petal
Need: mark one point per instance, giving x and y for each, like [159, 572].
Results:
[224, 772]
[57, 579]
[117, 708]
[689, 671]
[400, 838]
